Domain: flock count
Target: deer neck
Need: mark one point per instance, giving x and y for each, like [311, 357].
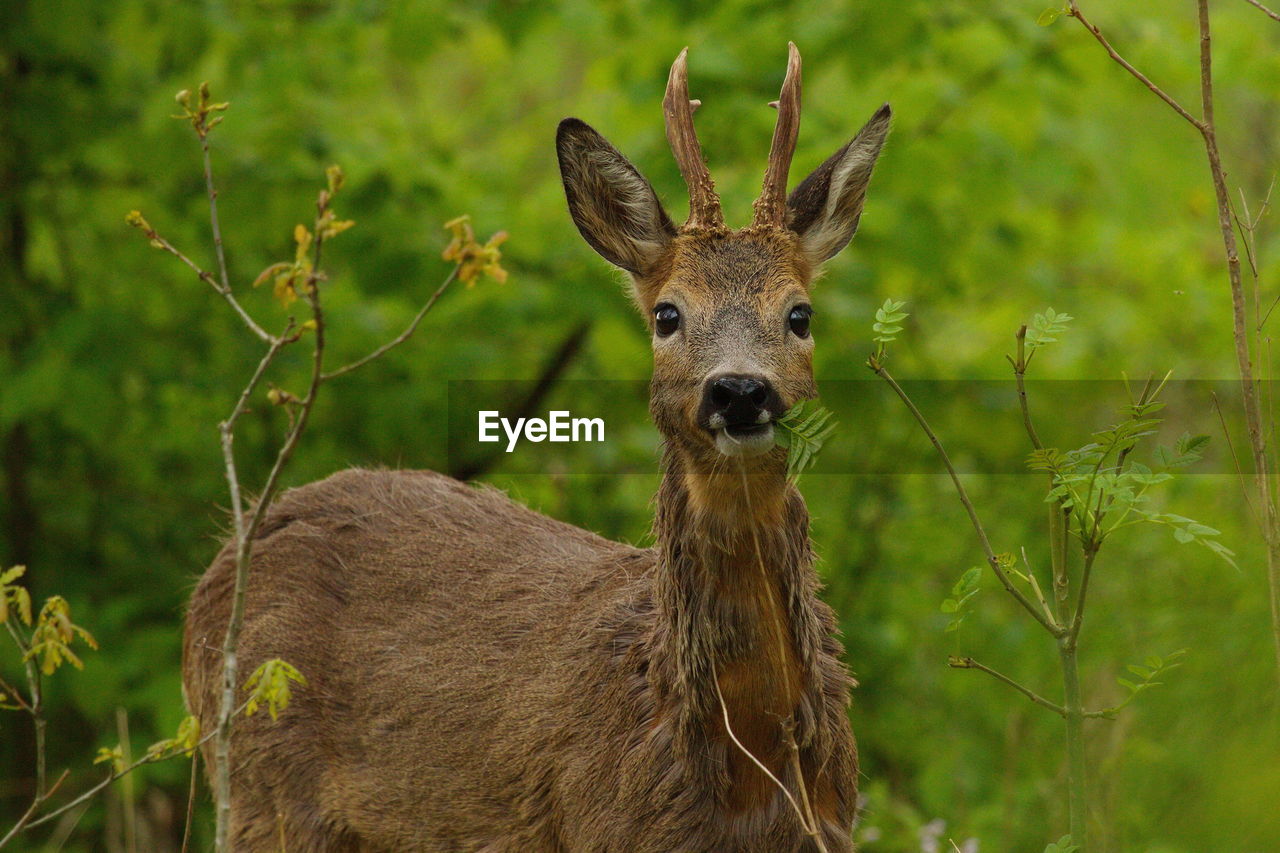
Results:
[735, 594]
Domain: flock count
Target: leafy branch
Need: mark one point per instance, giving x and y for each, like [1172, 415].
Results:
[1093, 491]
[300, 279]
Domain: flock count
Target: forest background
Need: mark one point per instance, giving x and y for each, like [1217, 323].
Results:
[1025, 170]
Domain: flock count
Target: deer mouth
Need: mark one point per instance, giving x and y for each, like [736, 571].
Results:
[744, 439]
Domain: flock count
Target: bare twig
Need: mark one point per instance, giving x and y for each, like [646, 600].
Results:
[809, 830]
[1253, 414]
[1090, 553]
[1254, 422]
[35, 704]
[807, 821]
[1270, 14]
[970, 663]
[208, 277]
[403, 336]
[992, 560]
[25, 822]
[1020, 376]
[1074, 11]
[191, 803]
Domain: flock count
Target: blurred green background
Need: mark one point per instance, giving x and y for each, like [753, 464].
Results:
[1025, 170]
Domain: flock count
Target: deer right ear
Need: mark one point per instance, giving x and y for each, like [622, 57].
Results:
[612, 204]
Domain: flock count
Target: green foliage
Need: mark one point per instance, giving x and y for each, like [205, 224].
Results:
[112, 756]
[1062, 845]
[187, 738]
[888, 324]
[1050, 15]
[803, 431]
[1145, 675]
[962, 592]
[53, 635]
[1045, 328]
[1024, 169]
[269, 684]
[13, 598]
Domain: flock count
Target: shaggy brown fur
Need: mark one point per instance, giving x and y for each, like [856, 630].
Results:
[483, 678]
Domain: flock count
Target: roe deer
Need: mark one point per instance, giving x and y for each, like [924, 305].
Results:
[484, 678]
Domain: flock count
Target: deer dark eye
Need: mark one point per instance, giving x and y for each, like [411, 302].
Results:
[799, 320]
[666, 319]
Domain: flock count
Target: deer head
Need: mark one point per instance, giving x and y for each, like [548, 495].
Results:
[728, 309]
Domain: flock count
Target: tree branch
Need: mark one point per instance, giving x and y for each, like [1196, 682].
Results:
[1270, 14]
[970, 663]
[993, 561]
[403, 336]
[1075, 12]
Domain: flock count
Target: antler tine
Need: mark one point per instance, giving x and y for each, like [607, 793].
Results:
[771, 207]
[704, 204]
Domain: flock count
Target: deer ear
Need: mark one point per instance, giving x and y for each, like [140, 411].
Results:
[612, 204]
[825, 208]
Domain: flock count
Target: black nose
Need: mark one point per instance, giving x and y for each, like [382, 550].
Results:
[739, 399]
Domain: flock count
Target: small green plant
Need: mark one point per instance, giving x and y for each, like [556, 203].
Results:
[1094, 491]
[964, 589]
[1062, 845]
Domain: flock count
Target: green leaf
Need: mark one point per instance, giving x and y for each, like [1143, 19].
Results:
[269, 684]
[1048, 16]
[888, 323]
[1047, 326]
[803, 431]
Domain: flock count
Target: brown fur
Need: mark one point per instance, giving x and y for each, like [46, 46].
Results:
[484, 678]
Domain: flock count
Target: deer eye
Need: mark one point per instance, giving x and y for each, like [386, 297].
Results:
[666, 319]
[799, 320]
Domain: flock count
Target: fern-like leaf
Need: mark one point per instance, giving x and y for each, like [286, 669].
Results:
[803, 430]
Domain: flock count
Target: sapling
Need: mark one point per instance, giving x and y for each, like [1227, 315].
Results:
[1093, 491]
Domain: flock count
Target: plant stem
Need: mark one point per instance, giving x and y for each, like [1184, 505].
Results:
[1248, 388]
[1077, 784]
[1258, 428]
[970, 663]
[1052, 627]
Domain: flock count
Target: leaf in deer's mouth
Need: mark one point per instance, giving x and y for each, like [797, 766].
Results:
[802, 431]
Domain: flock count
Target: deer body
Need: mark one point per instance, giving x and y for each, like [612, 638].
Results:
[484, 678]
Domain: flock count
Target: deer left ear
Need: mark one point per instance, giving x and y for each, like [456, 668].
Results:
[825, 208]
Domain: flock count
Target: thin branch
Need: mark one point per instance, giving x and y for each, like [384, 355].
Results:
[724, 709]
[1270, 14]
[245, 534]
[191, 803]
[1090, 553]
[35, 705]
[992, 560]
[970, 663]
[25, 821]
[213, 212]
[1075, 12]
[118, 774]
[1252, 411]
[793, 749]
[1020, 375]
[206, 276]
[403, 336]
[1235, 459]
[807, 822]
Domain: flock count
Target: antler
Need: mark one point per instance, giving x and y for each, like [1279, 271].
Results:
[771, 207]
[704, 204]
